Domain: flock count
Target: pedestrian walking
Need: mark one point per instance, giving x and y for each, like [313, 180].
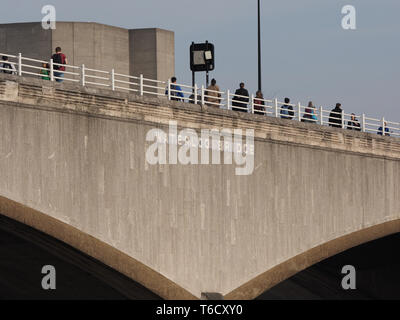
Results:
[59, 60]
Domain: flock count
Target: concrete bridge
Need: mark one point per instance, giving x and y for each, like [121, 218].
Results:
[73, 165]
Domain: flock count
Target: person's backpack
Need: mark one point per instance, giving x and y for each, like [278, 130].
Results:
[58, 58]
[7, 66]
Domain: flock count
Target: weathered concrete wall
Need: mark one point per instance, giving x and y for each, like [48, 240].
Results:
[165, 54]
[29, 38]
[152, 54]
[78, 155]
[97, 46]
[143, 49]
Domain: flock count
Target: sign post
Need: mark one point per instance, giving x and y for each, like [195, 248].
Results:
[202, 58]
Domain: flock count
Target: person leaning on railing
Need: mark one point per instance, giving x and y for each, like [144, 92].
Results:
[335, 117]
[6, 65]
[309, 114]
[259, 104]
[241, 99]
[287, 110]
[192, 99]
[176, 91]
[213, 94]
[387, 130]
[45, 71]
[354, 124]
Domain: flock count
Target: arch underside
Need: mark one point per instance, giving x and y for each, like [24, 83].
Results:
[106, 254]
[265, 281]
[167, 289]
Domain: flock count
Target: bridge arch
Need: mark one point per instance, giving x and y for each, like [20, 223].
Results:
[89, 245]
[77, 154]
[261, 283]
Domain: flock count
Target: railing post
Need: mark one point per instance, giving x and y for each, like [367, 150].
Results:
[51, 70]
[299, 111]
[202, 94]
[113, 80]
[252, 104]
[141, 85]
[169, 89]
[343, 119]
[276, 108]
[195, 93]
[363, 122]
[383, 127]
[228, 94]
[20, 64]
[321, 116]
[83, 75]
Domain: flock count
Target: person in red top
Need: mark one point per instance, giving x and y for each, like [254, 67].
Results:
[259, 105]
[59, 59]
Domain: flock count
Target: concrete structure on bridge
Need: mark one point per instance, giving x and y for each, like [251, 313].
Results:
[150, 52]
[73, 165]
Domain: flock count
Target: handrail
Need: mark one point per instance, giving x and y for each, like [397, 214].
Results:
[198, 94]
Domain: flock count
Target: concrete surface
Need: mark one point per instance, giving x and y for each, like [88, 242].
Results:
[24, 251]
[153, 54]
[97, 46]
[72, 164]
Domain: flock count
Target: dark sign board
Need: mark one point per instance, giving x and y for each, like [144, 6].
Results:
[202, 57]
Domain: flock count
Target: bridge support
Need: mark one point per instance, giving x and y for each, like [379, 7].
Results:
[211, 296]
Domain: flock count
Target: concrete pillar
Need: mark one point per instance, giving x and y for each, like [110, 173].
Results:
[152, 53]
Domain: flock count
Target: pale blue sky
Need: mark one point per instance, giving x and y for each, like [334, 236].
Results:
[306, 53]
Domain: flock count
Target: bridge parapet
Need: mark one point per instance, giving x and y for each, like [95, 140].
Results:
[75, 157]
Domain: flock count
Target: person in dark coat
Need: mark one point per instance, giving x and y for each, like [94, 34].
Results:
[241, 99]
[353, 124]
[335, 117]
[287, 110]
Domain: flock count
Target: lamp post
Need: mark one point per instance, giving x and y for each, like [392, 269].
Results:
[259, 48]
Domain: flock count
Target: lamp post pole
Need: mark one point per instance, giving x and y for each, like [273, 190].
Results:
[259, 48]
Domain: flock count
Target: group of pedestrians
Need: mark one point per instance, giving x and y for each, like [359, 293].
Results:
[59, 60]
[213, 97]
[241, 99]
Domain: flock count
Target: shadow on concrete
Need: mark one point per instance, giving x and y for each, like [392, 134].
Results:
[377, 265]
[24, 251]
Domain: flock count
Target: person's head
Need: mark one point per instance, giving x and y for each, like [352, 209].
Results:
[287, 100]
[5, 58]
[213, 82]
[241, 85]
[173, 79]
[44, 65]
[338, 105]
[310, 105]
[58, 49]
[259, 94]
[353, 116]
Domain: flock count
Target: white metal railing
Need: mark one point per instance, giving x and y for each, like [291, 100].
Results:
[47, 70]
